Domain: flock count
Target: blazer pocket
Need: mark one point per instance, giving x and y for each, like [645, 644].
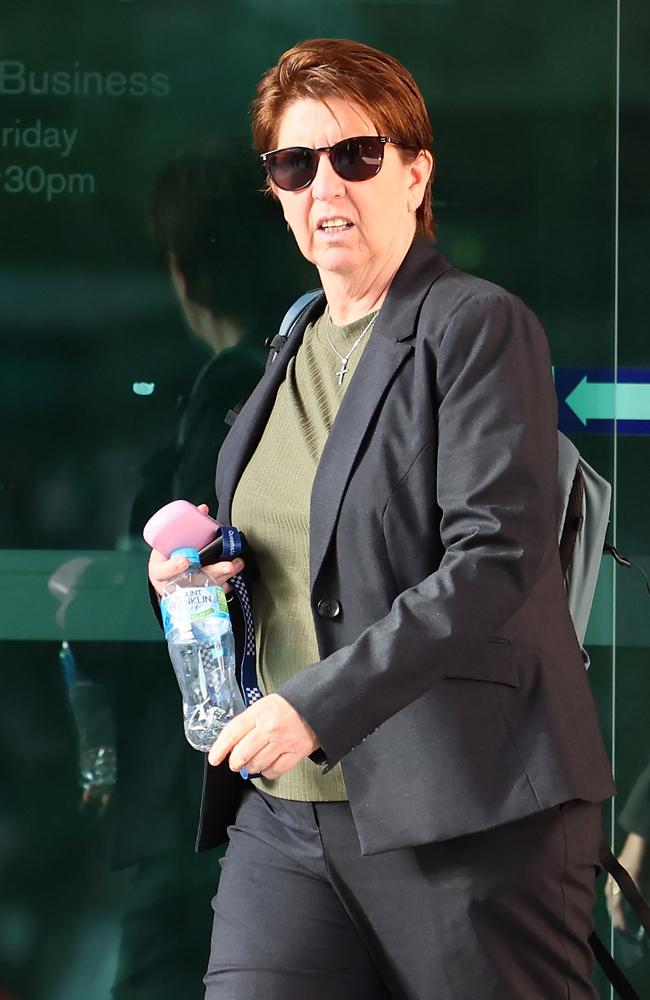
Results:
[495, 663]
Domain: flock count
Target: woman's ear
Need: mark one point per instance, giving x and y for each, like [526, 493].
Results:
[420, 170]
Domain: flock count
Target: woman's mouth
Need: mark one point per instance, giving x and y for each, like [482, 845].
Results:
[334, 225]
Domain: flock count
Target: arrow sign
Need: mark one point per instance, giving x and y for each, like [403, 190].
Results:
[594, 399]
[606, 401]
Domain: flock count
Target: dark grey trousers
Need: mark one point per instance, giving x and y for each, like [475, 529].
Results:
[500, 915]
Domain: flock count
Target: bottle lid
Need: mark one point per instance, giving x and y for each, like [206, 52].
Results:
[191, 554]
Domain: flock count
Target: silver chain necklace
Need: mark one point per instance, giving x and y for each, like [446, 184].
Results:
[344, 358]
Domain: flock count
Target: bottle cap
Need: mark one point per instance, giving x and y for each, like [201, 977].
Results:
[188, 553]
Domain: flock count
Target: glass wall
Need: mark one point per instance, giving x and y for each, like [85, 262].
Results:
[136, 248]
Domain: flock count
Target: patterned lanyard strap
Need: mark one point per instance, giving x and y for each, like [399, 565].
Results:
[233, 547]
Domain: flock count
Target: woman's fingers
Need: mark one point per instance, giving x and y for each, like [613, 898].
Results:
[280, 766]
[272, 731]
[222, 571]
[162, 570]
[248, 749]
[256, 755]
[614, 904]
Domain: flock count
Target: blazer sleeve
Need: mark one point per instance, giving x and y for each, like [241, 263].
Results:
[496, 475]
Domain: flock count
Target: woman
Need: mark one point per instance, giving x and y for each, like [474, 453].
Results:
[425, 823]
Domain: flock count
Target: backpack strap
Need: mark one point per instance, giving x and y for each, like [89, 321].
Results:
[626, 884]
[622, 560]
[292, 315]
[622, 986]
[615, 975]
[289, 320]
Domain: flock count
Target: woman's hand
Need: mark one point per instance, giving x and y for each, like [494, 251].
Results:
[162, 569]
[269, 738]
[632, 858]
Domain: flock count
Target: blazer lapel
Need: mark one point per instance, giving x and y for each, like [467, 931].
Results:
[391, 342]
[379, 363]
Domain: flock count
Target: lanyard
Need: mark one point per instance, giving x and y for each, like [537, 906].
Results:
[247, 672]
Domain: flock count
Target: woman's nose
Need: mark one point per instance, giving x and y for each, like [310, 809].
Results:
[327, 183]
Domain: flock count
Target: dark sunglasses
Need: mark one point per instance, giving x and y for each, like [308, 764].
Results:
[355, 159]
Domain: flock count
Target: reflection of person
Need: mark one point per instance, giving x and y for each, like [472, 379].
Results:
[426, 819]
[201, 202]
[635, 820]
[166, 919]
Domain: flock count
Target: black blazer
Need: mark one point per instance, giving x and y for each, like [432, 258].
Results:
[451, 686]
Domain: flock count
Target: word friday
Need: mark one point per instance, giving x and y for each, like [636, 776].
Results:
[35, 135]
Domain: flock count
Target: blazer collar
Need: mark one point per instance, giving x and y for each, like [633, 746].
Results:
[419, 270]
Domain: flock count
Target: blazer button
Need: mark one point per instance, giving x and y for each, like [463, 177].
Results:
[329, 608]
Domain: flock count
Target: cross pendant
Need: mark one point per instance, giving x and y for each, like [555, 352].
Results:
[343, 371]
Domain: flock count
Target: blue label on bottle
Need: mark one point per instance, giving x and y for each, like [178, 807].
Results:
[190, 608]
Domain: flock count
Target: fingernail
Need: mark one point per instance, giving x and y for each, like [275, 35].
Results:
[244, 773]
[181, 563]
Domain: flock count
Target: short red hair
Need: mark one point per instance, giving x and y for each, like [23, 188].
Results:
[338, 67]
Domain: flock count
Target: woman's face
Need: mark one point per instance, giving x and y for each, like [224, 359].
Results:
[379, 214]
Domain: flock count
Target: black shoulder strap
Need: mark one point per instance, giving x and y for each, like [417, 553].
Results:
[622, 986]
[626, 884]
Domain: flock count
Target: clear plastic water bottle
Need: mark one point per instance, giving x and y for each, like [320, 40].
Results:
[93, 718]
[202, 650]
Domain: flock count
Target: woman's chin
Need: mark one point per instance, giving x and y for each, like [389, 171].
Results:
[338, 258]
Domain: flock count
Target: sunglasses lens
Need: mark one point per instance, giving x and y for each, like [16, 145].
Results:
[293, 168]
[358, 159]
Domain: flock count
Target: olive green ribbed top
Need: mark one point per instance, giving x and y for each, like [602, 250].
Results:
[271, 506]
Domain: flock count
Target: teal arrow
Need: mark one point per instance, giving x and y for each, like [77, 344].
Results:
[609, 401]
